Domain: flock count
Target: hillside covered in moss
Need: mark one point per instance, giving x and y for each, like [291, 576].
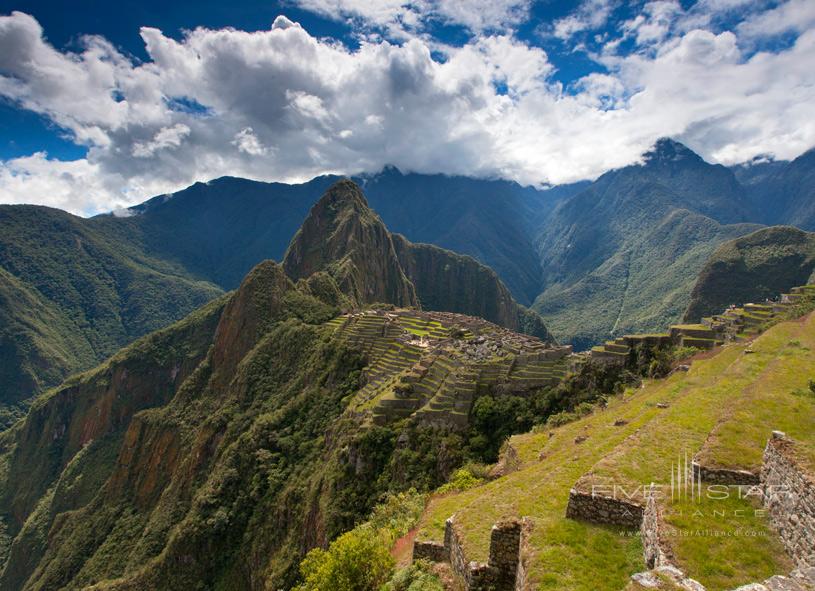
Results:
[753, 268]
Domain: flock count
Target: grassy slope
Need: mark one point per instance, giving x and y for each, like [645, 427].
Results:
[572, 555]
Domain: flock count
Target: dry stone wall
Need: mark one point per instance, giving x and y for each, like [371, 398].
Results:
[789, 496]
[588, 506]
[654, 551]
[432, 551]
[505, 570]
[725, 476]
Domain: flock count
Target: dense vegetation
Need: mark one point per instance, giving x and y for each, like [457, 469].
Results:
[71, 296]
[223, 436]
[622, 256]
[753, 268]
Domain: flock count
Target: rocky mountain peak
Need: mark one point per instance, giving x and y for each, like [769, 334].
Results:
[345, 238]
[669, 151]
[343, 195]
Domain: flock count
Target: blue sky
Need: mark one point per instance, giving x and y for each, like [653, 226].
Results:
[106, 104]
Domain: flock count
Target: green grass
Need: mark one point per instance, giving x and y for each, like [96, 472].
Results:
[570, 555]
[724, 541]
[780, 399]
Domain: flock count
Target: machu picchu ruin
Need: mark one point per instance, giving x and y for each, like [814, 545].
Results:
[432, 365]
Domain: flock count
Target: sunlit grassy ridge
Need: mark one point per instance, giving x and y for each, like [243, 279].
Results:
[737, 396]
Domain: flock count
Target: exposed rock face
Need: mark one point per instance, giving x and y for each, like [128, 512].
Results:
[448, 281]
[343, 236]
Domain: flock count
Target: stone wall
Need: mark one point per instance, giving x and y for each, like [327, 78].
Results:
[724, 476]
[505, 570]
[432, 551]
[789, 496]
[600, 509]
[654, 551]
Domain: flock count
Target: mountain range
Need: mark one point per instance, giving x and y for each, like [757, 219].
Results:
[217, 450]
[593, 259]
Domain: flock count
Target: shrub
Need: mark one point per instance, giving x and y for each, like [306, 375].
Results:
[358, 560]
[462, 479]
[397, 513]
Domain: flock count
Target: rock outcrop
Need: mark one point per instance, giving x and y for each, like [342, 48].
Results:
[344, 237]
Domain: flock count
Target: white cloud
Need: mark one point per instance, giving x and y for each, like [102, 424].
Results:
[283, 105]
[166, 137]
[246, 141]
[654, 24]
[404, 18]
[75, 186]
[794, 15]
[590, 16]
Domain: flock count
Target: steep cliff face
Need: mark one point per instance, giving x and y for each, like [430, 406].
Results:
[343, 236]
[753, 268]
[58, 457]
[195, 446]
[451, 282]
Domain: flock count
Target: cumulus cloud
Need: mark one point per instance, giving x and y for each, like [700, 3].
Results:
[246, 141]
[76, 186]
[284, 105]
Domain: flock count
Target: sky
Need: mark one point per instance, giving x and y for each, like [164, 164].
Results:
[109, 103]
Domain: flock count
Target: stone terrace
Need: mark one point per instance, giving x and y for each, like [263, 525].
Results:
[736, 395]
[733, 324]
[432, 365]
